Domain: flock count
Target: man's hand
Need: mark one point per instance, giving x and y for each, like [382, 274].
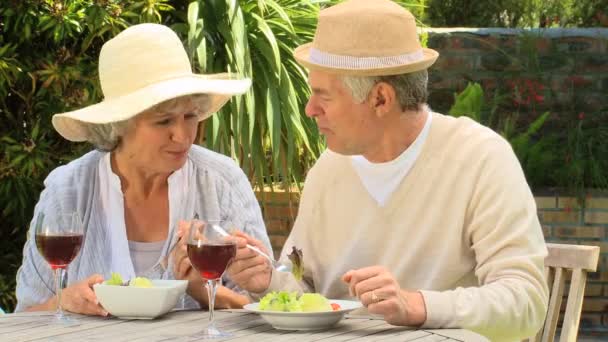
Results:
[80, 297]
[379, 291]
[248, 269]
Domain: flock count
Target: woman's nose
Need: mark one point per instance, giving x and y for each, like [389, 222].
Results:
[181, 132]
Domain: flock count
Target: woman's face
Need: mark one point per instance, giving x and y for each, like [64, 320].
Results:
[160, 138]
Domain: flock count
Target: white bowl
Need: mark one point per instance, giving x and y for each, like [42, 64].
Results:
[305, 320]
[131, 302]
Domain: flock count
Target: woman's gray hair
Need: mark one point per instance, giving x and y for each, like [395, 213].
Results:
[106, 137]
[411, 89]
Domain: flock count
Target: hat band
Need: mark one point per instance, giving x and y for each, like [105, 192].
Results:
[363, 63]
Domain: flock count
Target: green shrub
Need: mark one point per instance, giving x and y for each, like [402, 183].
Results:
[517, 13]
[573, 158]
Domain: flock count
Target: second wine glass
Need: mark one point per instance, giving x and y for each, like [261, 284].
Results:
[210, 253]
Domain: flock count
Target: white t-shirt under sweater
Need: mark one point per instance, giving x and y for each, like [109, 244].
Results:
[461, 227]
[381, 179]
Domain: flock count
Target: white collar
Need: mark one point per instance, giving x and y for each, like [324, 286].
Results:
[382, 179]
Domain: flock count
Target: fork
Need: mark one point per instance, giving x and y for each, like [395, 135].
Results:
[161, 266]
[277, 265]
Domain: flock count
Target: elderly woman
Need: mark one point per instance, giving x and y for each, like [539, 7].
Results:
[145, 176]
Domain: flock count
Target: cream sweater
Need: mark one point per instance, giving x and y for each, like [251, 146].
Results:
[461, 227]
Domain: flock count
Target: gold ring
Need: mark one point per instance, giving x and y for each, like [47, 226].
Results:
[375, 298]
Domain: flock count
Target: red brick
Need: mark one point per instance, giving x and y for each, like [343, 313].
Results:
[592, 63]
[600, 217]
[277, 242]
[593, 290]
[597, 203]
[452, 83]
[279, 212]
[590, 320]
[577, 44]
[542, 45]
[603, 245]
[278, 197]
[579, 232]
[461, 62]
[545, 202]
[567, 202]
[493, 43]
[278, 226]
[561, 216]
[547, 231]
[595, 305]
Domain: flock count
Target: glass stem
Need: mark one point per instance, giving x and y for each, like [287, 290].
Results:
[59, 286]
[211, 290]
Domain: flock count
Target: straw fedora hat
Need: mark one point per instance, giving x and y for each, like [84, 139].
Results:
[366, 38]
[140, 67]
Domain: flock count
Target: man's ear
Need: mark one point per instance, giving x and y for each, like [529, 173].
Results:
[383, 98]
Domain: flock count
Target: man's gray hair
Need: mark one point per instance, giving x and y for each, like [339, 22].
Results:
[106, 137]
[411, 89]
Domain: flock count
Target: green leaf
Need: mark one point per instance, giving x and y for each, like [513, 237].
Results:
[35, 131]
[270, 38]
[469, 102]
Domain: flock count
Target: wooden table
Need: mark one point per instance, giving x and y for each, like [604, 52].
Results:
[245, 326]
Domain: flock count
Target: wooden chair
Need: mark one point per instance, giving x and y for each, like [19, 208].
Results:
[564, 259]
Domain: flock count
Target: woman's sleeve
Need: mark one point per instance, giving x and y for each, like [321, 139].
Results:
[35, 283]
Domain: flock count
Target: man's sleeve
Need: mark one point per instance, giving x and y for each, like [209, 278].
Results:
[505, 234]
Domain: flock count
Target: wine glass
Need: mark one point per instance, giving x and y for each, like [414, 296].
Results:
[210, 253]
[58, 240]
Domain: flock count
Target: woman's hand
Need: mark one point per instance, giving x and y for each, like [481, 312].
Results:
[378, 290]
[80, 297]
[248, 269]
[182, 268]
[77, 298]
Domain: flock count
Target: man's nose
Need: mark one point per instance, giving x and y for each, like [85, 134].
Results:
[311, 109]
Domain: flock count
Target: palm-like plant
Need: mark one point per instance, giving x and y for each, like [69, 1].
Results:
[264, 130]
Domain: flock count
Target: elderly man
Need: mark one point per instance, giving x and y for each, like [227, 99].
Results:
[425, 218]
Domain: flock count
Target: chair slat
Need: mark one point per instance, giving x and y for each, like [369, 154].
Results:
[555, 302]
[539, 334]
[574, 306]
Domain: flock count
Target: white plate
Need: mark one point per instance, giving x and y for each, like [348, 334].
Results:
[305, 320]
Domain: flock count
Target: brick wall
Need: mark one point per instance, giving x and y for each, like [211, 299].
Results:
[562, 219]
[570, 64]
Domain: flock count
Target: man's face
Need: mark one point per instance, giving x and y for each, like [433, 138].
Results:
[349, 127]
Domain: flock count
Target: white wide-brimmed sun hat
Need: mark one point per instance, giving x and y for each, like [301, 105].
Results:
[139, 68]
[366, 38]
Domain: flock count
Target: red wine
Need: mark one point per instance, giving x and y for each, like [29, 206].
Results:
[211, 260]
[59, 250]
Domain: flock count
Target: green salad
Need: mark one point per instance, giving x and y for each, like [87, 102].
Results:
[290, 302]
[116, 279]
